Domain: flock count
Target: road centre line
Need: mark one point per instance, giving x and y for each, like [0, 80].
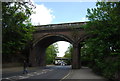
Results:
[70, 72]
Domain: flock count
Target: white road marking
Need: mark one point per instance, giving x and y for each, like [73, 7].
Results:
[66, 75]
[35, 72]
[28, 75]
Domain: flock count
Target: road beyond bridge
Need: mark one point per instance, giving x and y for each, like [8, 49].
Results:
[46, 35]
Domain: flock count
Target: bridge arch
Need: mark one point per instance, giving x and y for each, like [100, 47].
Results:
[38, 51]
[52, 38]
[45, 35]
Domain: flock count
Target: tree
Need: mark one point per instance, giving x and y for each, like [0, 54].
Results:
[16, 28]
[51, 53]
[104, 45]
[68, 54]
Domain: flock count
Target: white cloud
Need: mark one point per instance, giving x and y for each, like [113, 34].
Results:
[42, 16]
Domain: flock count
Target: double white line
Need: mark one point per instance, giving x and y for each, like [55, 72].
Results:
[65, 77]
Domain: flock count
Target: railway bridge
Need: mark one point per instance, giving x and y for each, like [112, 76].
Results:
[46, 35]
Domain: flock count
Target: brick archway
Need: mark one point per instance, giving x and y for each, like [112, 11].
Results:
[47, 34]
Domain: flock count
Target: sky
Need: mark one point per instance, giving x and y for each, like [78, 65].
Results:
[60, 12]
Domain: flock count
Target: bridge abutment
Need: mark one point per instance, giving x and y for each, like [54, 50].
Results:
[76, 62]
[37, 57]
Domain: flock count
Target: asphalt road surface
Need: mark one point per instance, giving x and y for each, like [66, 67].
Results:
[53, 73]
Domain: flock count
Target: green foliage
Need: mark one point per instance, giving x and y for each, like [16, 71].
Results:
[16, 28]
[51, 53]
[85, 58]
[68, 54]
[104, 45]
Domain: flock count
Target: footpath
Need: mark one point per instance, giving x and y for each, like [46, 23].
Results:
[16, 69]
[83, 74]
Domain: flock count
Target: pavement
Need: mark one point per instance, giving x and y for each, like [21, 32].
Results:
[16, 69]
[83, 73]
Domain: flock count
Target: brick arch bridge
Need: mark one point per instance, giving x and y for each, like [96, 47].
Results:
[46, 35]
